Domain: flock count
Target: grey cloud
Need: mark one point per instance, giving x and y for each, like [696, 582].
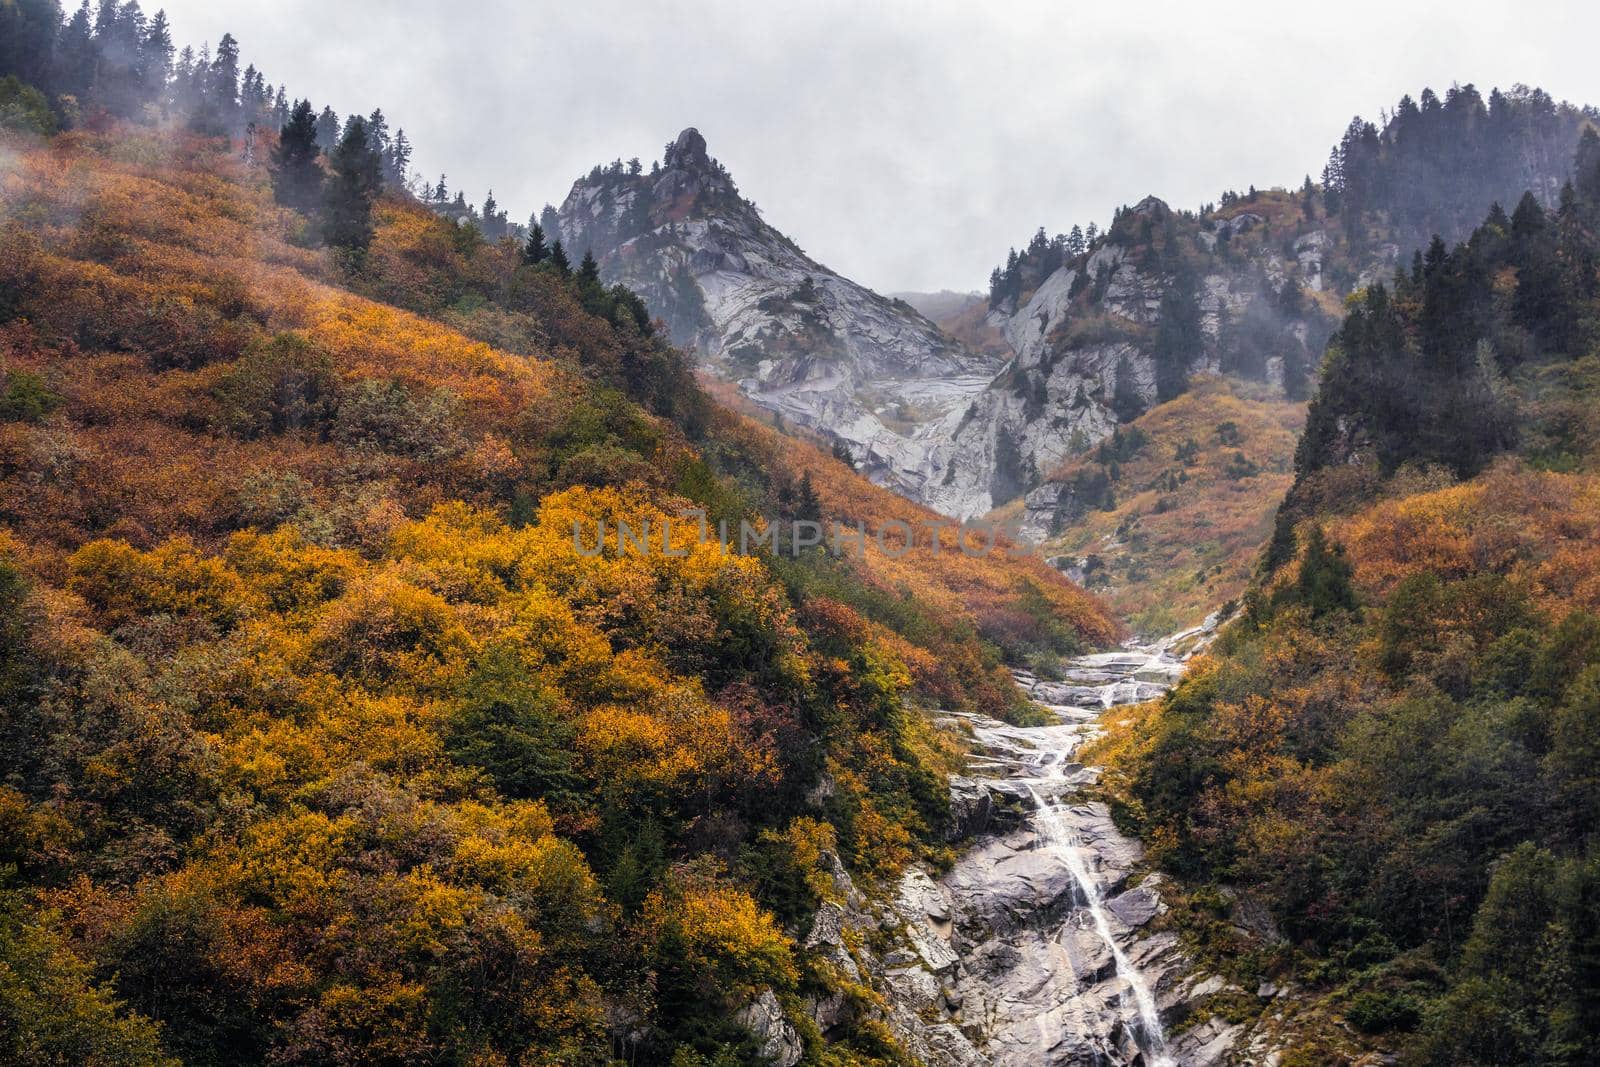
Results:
[905, 144]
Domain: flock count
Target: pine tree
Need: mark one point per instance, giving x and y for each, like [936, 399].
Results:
[535, 251]
[76, 56]
[296, 175]
[1324, 582]
[350, 191]
[1178, 336]
[588, 270]
[155, 58]
[1075, 241]
[398, 161]
[378, 133]
[558, 259]
[441, 192]
[29, 30]
[1586, 168]
[218, 112]
[493, 228]
[327, 131]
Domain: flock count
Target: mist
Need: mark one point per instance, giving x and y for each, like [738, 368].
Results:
[910, 144]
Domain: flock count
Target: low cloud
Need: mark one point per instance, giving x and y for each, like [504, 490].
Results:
[906, 144]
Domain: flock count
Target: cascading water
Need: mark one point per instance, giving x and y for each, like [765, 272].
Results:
[1058, 838]
[1021, 954]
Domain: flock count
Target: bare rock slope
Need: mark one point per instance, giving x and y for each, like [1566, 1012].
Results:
[802, 341]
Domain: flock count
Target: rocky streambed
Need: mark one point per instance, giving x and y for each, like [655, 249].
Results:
[1036, 947]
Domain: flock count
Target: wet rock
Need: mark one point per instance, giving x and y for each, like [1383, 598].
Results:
[1135, 907]
[1000, 960]
[970, 809]
[1207, 1044]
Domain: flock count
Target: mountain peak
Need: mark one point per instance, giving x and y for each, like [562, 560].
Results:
[689, 150]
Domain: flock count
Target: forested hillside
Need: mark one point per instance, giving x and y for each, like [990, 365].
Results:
[1248, 287]
[323, 739]
[1393, 748]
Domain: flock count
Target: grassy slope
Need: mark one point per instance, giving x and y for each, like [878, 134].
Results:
[1184, 536]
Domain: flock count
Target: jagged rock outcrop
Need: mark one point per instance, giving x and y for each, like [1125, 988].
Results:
[959, 430]
[1090, 344]
[776, 1038]
[801, 340]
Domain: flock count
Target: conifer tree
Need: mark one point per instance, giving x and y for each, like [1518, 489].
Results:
[559, 260]
[398, 160]
[75, 53]
[155, 58]
[327, 131]
[588, 270]
[219, 102]
[1324, 582]
[29, 30]
[296, 175]
[535, 251]
[351, 189]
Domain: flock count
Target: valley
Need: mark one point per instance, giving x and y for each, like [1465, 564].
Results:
[336, 730]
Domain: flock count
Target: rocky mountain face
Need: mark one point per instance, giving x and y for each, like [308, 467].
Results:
[989, 407]
[802, 341]
[1162, 297]
[960, 425]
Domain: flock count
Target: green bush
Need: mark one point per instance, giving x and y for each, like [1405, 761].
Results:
[24, 108]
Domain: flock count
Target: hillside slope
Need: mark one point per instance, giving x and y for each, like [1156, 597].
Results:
[1166, 517]
[328, 736]
[1380, 791]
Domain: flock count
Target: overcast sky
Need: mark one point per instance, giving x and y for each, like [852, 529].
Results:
[904, 144]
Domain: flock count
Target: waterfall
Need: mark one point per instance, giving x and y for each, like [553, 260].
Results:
[1058, 838]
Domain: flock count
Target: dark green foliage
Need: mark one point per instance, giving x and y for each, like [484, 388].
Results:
[296, 174]
[535, 251]
[353, 185]
[390, 416]
[1529, 984]
[508, 726]
[279, 386]
[1013, 473]
[1179, 339]
[22, 107]
[1323, 584]
[52, 1010]
[558, 259]
[588, 271]
[1126, 400]
[1419, 375]
[1437, 164]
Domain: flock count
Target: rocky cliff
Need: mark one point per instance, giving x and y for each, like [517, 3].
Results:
[801, 341]
[964, 425]
[1164, 296]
